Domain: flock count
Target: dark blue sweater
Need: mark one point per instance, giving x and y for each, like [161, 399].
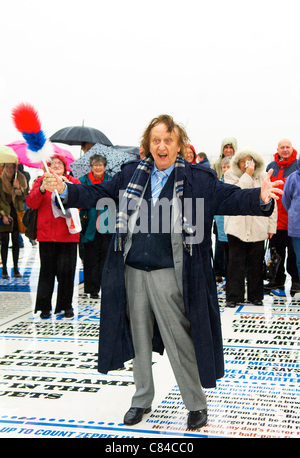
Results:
[153, 250]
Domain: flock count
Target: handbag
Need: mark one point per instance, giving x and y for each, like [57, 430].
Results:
[271, 262]
[29, 221]
[73, 222]
[72, 216]
[21, 226]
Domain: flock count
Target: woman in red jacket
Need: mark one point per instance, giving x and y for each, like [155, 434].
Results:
[57, 247]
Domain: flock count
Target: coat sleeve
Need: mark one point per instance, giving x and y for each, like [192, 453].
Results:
[229, 199]
[35, 197]
[4, 205]
[287, 192]
[87, 196]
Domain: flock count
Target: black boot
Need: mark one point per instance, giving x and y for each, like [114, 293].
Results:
[17, 273]
[5, 275]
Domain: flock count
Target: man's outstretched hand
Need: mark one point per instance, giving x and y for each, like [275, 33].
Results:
[269, 188]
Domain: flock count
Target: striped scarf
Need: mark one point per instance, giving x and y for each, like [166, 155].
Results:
[135, 190]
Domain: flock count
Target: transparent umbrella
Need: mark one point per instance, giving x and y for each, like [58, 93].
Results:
[115, 157]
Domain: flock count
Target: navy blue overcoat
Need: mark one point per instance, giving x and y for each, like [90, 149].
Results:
[199, 287]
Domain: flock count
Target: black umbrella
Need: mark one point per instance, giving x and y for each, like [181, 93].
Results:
[76, 135]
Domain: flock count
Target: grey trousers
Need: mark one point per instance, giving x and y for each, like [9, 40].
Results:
[156, 294]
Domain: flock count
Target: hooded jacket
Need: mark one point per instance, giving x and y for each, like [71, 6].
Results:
[291, 202]
[282, 168]
[194, 161]
[248, 228]
[217, 165]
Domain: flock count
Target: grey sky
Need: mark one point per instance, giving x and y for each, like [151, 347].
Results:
[221, 68]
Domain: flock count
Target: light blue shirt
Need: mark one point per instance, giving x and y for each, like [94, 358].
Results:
[64, 193]
[165, 179]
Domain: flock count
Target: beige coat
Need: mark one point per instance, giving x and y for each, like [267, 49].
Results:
[249, 228]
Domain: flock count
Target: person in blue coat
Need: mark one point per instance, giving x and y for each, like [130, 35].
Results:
[203, 159]
[158, 286]
[291, 202]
